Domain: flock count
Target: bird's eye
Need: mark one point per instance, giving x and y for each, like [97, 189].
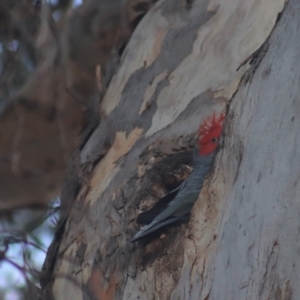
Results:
[214, 140]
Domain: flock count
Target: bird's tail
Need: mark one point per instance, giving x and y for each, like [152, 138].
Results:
[153, 226]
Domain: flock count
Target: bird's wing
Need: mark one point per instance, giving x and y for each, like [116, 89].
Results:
[179, 206]
[172, 207]
[169, 215]
[153, 227]
[148, 216]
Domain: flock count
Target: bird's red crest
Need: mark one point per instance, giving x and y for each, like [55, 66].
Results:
[209, 133]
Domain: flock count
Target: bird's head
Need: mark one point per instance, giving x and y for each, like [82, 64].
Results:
[209, 134]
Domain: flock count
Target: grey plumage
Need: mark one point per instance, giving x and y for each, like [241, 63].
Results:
[184, 197]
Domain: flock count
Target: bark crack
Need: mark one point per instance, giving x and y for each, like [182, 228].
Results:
[272, 259]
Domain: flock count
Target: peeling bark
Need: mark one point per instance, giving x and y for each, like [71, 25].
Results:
[182, 63]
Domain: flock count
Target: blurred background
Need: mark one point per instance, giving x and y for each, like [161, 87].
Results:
[56, 61]
[25, 238]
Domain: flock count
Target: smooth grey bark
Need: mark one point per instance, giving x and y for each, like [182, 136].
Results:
[257, 253]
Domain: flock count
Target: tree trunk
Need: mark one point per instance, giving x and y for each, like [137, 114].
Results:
[184, 61]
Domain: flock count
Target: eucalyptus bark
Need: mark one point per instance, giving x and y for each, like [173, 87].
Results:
[183, 62]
